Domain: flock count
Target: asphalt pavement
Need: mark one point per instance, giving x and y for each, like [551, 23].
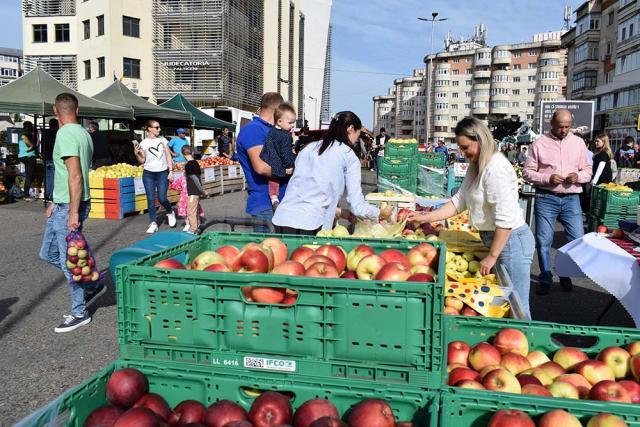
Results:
[37, 365]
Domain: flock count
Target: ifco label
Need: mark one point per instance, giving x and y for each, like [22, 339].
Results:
[270, 364]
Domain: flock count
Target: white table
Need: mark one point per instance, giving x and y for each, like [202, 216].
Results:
[605, 263]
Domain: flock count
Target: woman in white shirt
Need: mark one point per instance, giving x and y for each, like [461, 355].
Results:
[153, 152]
[323, 170]
[490, 193]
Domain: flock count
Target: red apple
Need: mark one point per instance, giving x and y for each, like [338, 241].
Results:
[349, 275]
[421, 277]
[634, 366]
[270, 409]
[423, 269]
[139, 417]
[217, 267]
[229, 254]
[606, 420]
[372, 413]
[558, 418]
[552, 369]
[515, 363]
[501, 380]
[536, 390]
[634, 348]
[253, 259]
[511, 340]
[223, 412]
[301, 254]
[594, 371]
[459, 374]
[578, 381]
[510, 418]
[609, 391]
[289, 268]
[540, 374]
[402, 214]
[469, 384]
[564, 390]
[187, 412]
[394, 255]
[423, 254]
[469, 312]
[356, 254]
[369, 266]
[451, 311]
[452, 366]
[335, 254]
[321, 269]
[617, 359]
[103, 416]
[329, 422]
[393, 272]
[484, 354]
[318, 258]
[602, 229]
[569, 357]
[170, 263]
[453, 302]
[156, 403]
[484, 371]
[268, 295]
[205, 258]
[279, 249]
[290, 298]
[525, 379]
[633, 388]
[458, 352]
[537, 358]
[312, 410]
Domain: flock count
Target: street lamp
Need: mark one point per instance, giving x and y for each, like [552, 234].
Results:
[433, 20]
[315, 101]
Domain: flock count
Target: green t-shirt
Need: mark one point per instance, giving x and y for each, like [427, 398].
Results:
[72, 140]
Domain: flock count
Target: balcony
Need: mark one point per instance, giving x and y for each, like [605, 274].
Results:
[482, 74]
[502, 60]
[44, 8]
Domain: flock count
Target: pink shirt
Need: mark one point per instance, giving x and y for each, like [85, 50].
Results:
[549, 155]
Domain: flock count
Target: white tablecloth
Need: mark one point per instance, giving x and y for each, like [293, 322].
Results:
[605, 263]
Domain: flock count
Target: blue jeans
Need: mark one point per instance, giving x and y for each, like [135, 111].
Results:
[516, 258]
[156, 181]
[266, 215]
[547, 209]
[54, 250]
[49, 172]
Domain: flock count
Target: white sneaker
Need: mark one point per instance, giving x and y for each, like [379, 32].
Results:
[171, 217]
[153, 227]
[187, 227]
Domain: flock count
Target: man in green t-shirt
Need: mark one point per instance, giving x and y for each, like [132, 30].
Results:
[71, 204]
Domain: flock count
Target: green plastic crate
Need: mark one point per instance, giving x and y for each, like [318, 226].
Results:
[435, 160]
[610, 220]
[401, 150]
[470, 408]
[543, 336]
[339, 328]
[401, 166]
[208, 385]
[605, 201]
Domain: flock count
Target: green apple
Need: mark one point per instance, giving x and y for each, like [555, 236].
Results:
[450, 256]
[467, 274]
[468, 256]
[432, 237]
[478, 275]
[461, 264]
[325, 233]
[474, 266]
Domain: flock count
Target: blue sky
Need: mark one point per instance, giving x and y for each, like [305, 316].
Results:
[376, 41]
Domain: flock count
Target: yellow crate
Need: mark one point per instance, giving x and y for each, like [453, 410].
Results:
[141, 205]
[96, 215]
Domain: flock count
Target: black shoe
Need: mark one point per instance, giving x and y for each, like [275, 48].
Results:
[92, 295]
[543, 289]
[566, 284]
[70, 323]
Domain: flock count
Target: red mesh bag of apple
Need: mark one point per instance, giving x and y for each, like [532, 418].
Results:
[80, 261]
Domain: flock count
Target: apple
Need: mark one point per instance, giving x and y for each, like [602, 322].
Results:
[423, 269]
[484, 371]
[525, 379]
[558, 417]
[268, 295]
[602, 229]
[72, 251]
[318, 258]
[459, 374]
[617, 359]
[606, 420]
[402, 214]
[279, 249]
[95, 276]
[423, 254]
[371, 413]
[91, 261]
[609, 391]
[349, 275]
[569, 357]
[217, 267]
[369, 266]
[474, 266]
[461, 264]
[484, 354]
[540, 374]
[76, 271]
[393, 272]
[564, 390]
[81, 244]
[617, 234]
[452, 366]
[73, 259]
[206, 258]
[321, 269]
[252, 259]
[82, 253]
[301, 254]
[536, 390]
[76, 278]
[335, 254]
[501, 380]
[229, 254]
[394, 255]
[510, 418]
[82, 262]
[447, 310]
[634, 366]
[469, 384]
[289, 268]
[634, 348]
[70, 265]
[510, 340]
[458, 352]
[515, 363]
[578, 381]
[453, 302]
[421, 277]
[594, 371]
[633, 388]
[537, 358]
[356, 254]
[170, 263]
[552, 369]
[86, 270]
[470, 312]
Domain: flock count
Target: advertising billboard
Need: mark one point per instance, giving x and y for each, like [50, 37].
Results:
[582, 111]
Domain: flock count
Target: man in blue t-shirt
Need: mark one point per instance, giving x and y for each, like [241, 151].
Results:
[248, 147]
[176, 144]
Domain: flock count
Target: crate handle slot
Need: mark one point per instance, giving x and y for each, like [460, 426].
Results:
[270, 295]
[254, 393]
[571, 340]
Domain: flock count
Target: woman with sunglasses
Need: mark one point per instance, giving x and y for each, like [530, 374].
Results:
[323, 171]
[153, 152]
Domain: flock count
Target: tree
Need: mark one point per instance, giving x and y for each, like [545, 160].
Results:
[504, 127]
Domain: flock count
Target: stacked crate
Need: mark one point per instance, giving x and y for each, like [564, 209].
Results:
[399, 166]
[609, 206]
[212, 180]
[232, 178]
[111, 198]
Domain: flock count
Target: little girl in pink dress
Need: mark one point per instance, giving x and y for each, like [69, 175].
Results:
[180, 185]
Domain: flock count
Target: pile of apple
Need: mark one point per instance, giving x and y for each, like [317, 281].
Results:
[131, 405]
[508, 366]
[556, 418]
[466, 264]
[79, 261]
[326, 261]
[456, 307]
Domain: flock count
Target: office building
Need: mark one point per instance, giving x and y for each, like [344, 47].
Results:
[11, 65]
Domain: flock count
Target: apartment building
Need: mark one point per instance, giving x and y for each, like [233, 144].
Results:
[604, 64]
[215, 52]
[11, 65]
[384, 112]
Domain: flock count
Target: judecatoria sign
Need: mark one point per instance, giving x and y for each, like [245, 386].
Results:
[185, 65]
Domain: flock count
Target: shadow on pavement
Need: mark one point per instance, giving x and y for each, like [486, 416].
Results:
[5, 305]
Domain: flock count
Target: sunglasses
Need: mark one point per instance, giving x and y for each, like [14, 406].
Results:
[154, 127]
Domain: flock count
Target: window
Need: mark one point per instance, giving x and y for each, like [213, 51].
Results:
[87, 69]
[499, 91]
[515, 104]
[497, 78]
[532, 78]
[627, 63]
[608, 48]
[610, 18]
[101, 68]
[549, 75]
[86, 26]
[454, 95]
[456, 72]
[586, 51]
[467, 71]
[455, 83]
[517, 54]
[533, 52]
[467, 94]
[531, 91]
[130, 26]
[531, 65]
[517, 66]
[62, 33]
[454, 118]
[529, 116]
[626, 29]
[480, 104]
[467, 106]
[516, 91]
[100, 20]
[531, 104]
[500, 104]
[516, 79]
[584, 80]
[131, 68]
[469, 82]
[40, 33]
[454, 106]
[551, 61]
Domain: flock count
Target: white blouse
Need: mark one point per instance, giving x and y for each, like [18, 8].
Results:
[494, 202]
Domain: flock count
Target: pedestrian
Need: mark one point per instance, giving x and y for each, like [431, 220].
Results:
[585, 196]
[512, 154]
[429, 148]
[48, 142]
[626, 154]
[601, 170]
[27, 156]
[180, 185]
[194, 190]
[378, 147]
[248, 148]
[153, 152]
[490, 193]
[441, 148]
[71, 155]
[277, 150]
[224, 144]
[176, 144]
[101, 154]
[557, 165]
[522, 155]
[323, 171]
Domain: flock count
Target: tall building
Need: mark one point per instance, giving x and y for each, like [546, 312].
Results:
[325, 106]
[215, 52]
[604, 64]
[469, 78]
[384, 112]
[11, 65]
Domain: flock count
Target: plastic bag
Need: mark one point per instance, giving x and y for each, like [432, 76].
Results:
[367, 227]
[431, 181]
[80, 261]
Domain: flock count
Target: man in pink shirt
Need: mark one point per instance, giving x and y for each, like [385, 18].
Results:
[557, 165]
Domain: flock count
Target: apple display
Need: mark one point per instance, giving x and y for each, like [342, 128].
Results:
[536, 390]
[634, 348]
[369, 266]
[540, 374]
[423, 254]
[318, 258]
[617, 359]
[594, 371]
[469, 384]
[569, 357]
[268, 295]
[335, 254]
[515, 363]
[252, 259]
[559, 418]
[609, 391]
[279, 249]
[606, 420]
[510, 340]
[484, 354]
[321, 269]
[634, 366]
[356, 254]
[501, 380]
[421, 277]
[393, 272]
[633, 388]
[510, 418]
[578, 381]
[170, 263]
[458, 352]
[453, 302]
[460, 374]
[564, 390]
[289, 268]
[537, 358]
[447, 310]
[525, 379]
[217, 267]
[394, 255]
[229, 254]
[552, 369]
[203, 259]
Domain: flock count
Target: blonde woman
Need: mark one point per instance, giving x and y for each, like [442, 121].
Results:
[602, 172]
[490, 193]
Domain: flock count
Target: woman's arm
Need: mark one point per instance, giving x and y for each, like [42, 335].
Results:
[500, 239]
[167, 151]
[27, 141]
[355, 198]
[443, 212]
[139, 152]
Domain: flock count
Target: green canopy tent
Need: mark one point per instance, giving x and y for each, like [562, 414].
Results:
[200, 120]
[118, 94]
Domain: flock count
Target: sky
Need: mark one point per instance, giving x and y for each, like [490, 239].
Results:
[377, 41]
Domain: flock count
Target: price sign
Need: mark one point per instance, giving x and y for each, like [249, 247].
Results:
[209, 174]
[233, 171]
[138, 186]
[460, 169]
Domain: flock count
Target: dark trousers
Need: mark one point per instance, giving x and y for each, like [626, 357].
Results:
[49, 173]
[156, 181]
[296, 231]
[29, 170]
